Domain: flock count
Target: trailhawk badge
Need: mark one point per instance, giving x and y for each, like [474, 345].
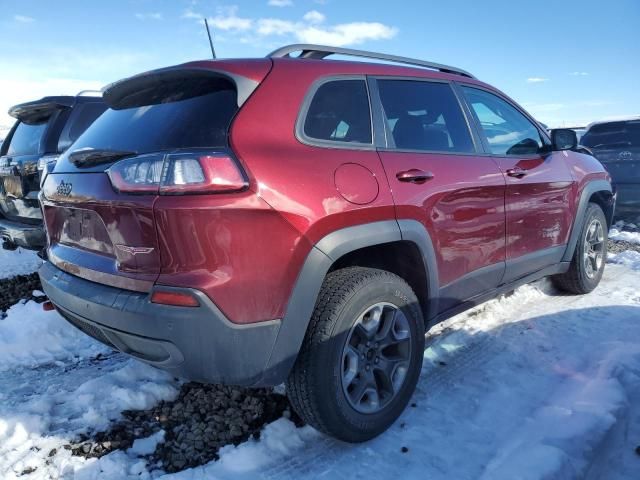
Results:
[134, 250]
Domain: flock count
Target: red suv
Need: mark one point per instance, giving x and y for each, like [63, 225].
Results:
[301, 220]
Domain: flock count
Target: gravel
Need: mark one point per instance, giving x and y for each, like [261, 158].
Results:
[621, 246]
[197, 424]
[17, 288]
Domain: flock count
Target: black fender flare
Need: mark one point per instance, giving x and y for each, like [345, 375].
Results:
[312, 274]
[589, 189]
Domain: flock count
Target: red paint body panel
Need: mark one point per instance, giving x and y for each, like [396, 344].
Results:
[296, 179]
[462, 208]
[233, 247]
[539, 211]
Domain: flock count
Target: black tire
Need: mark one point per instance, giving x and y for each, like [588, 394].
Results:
[315, 385]
[580, 278]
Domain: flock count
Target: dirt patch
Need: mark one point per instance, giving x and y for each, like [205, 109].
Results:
[197, 424]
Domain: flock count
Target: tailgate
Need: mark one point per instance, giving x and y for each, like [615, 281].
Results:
[623, 164]
[98, 234]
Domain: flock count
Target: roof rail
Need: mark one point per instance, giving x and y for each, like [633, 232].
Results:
[321, 51]
[85, 92]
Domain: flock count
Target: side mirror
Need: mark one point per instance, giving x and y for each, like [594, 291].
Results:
[563, 139]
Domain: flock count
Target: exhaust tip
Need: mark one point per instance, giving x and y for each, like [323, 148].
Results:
[48, 306]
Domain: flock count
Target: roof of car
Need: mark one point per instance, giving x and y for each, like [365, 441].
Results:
[623, 118]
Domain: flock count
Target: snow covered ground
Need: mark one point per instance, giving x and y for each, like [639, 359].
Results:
[18, 262]
[534, 385]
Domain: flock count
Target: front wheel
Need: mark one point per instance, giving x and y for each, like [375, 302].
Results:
[587, 264]
[361, 357]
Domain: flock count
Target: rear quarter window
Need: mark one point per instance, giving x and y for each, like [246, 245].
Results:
[26, 139]
[339, 112]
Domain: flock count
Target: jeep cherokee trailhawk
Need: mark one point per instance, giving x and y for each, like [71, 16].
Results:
[301, 220]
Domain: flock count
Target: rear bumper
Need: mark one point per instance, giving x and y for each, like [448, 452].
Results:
[628, 198]
[197, 343]
[24, 235]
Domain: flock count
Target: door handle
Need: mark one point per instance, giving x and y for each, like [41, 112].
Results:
[414, 176]
[516, 172]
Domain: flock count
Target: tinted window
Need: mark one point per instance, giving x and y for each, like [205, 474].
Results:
[424, 116]
[26, 139]
[613, 135]
[86, 115]
[196, 122]
[339, 112]
[507, 130]
[81, 117]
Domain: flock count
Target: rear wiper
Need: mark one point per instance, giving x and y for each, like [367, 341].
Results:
[88, 157]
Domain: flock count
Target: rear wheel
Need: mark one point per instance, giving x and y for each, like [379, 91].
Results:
[587, 264]
[361, 357]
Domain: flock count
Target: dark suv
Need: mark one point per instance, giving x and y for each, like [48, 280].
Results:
[617, 145]
[42, 131]
[301, 220]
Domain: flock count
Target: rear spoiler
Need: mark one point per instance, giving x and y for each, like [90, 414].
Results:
[172, 84]
[39, 110]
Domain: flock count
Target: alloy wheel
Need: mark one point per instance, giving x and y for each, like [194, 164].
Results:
[375, 358]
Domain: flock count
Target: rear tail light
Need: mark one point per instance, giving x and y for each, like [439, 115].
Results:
[177, 299]
[178, 173]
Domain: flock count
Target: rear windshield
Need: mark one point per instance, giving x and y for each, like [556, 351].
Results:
[200, 121]
[26, 139]
[613, 135]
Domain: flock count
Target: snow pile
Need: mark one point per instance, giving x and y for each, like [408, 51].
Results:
[56, 383]
[30, 336]
[628, 258]
[623, 235]
[18, 262]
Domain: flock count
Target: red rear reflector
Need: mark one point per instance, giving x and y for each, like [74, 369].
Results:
[177, 299]
[48, 306]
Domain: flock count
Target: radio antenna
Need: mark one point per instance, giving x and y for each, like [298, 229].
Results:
[206, 26]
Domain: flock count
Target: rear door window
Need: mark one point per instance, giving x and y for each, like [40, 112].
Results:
[506, 129]
[26, 139]
[424, 116]
[339, 112]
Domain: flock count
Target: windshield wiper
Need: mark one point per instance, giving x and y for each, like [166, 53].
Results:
[89, 157]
